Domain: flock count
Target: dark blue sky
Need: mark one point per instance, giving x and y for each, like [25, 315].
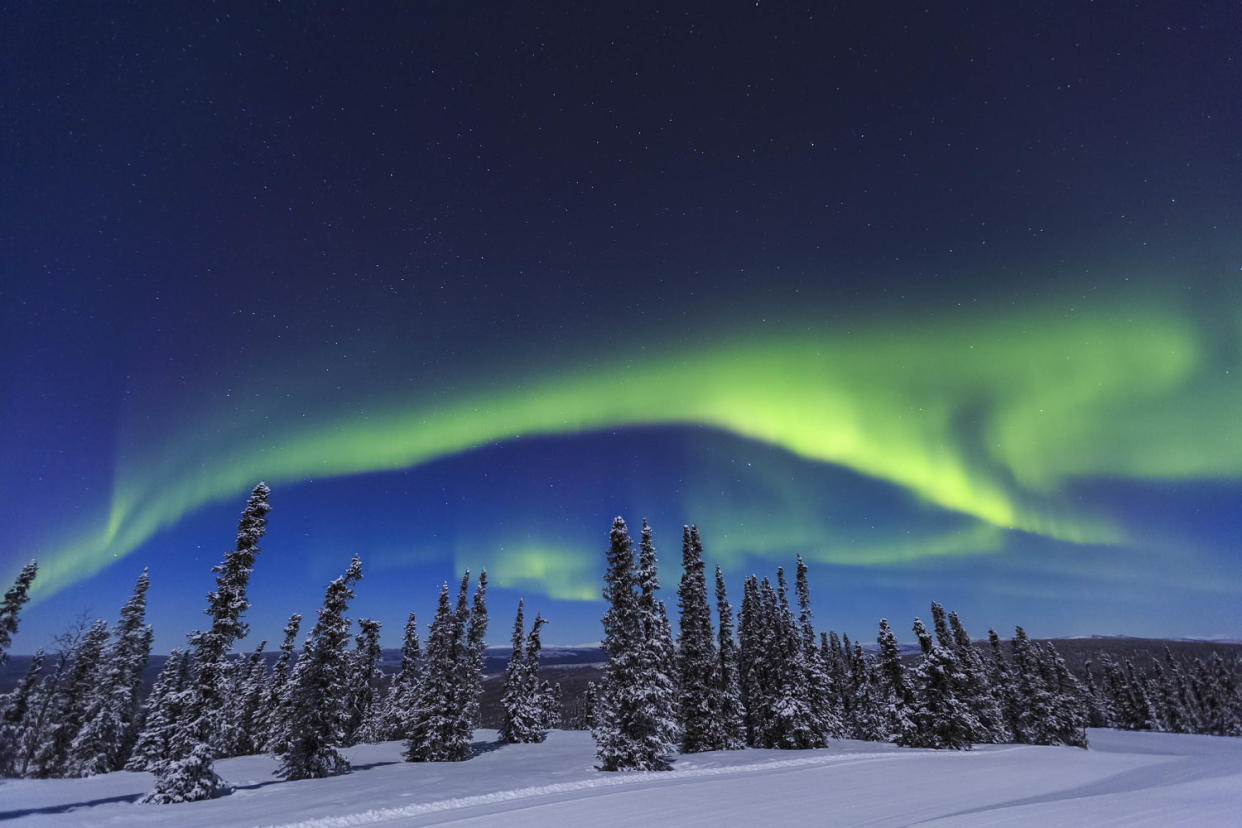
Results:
[946, 300]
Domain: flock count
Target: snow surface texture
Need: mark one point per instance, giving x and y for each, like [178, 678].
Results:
[1124, 779]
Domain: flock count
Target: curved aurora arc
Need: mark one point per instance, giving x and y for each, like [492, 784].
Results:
[989, 418]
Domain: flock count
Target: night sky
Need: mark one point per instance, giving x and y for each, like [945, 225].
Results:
[947, 300]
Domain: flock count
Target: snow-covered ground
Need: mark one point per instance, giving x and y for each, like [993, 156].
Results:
[1124, 779]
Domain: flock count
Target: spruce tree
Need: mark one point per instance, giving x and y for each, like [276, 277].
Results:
[15, 709]
[868, 716]
[69, 702]
[696, 652]
[750, 660]
[438, 730]
[472, 663]
[363, 680]
[316, 719]
[732, 725]
[188, 775]
[659, 653]
[16, 596]
[163, 707]
[792, 724]
[528, 702]
[984, 700]
[274, 718]
[817, 680]
[47, 700]
[403, 692]
[251, 692]
[590, 699]
[942, 717]
[896, 700]
[1070, 701]
[632, 729]
[106, 736]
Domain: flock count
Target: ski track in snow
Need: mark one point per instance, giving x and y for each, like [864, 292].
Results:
[378, 815]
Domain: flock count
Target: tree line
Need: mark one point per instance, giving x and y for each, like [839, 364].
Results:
[86, 716]
[763, 679]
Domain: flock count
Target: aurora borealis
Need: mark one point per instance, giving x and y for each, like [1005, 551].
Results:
[850, 286]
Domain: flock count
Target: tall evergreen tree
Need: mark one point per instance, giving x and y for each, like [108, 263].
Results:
[897, 701]
[69, 704]
[472, 663]
[659, 653]
[274, 718]
[16, 596]
[163, 708]
[942, 717]
[527, 700]
[512, 697]
[14, 710]
[817, 680]
[632, 729]
[363, 678]
[984, 700]
[732, 724]
[751, 660]
[792, 723]
[188, 775]
[403, 692]
[696, 652]
[107, 733]
[252, 689]
[316, 719]
[438, 729]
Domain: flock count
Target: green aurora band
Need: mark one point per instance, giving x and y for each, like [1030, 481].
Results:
[988, 417]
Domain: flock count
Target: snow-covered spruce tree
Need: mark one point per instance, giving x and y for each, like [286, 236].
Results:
[272, 725]
[659, 653]
[1098, 714]
[983, 699]
[1218, 697]
[793, 724]
[549, 701]
[759, 659]
[402, 692]
[437, 729]
[1143, 711]
[48, 695]
[942, 717]
[472, 660]
[1179, 710]
[821, 694]
[107, 735]
[732, 724]
[187, 775]
[248, 707]
[16, 596]
[699, 701]
[896, 701]
[163, 707]
[14, 709]
[1004, 686]
[319, 684]
[868, 717]
[1070, 700]
[363, 680]
[524, 698]
[632, 732]
[1039, 719]
[68, 708]
[590, 699]
[513, 697]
